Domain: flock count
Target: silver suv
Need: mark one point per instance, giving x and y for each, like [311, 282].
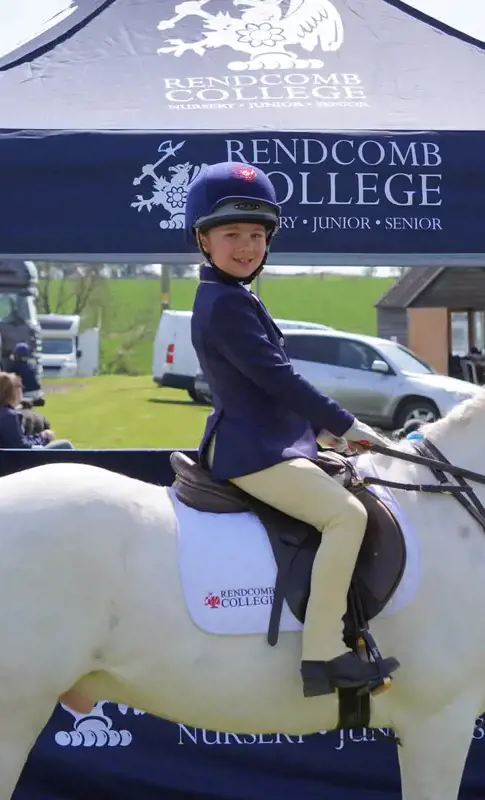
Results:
[378, 380]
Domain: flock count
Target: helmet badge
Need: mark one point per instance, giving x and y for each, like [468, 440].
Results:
[246, 173]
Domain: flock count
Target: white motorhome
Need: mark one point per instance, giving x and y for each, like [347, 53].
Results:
[175, 363]
[65, 352]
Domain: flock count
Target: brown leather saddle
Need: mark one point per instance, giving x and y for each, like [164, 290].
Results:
[380, 564]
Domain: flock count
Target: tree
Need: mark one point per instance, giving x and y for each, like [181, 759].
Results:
[126, 270]
[70, 288]
[182, 270]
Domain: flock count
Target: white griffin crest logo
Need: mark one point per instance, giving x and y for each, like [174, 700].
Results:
[170, 194]
[95, 728]
[263, 31]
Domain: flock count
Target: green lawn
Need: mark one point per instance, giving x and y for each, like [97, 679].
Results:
[130, 310]
[116, 411]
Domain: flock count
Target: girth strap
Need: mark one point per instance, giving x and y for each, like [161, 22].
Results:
[277, 606]
[288, 544]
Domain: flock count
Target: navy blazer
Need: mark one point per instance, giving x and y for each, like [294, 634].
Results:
[264, 412]
[11, 435]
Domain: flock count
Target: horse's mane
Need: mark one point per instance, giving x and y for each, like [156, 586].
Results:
[465, 419]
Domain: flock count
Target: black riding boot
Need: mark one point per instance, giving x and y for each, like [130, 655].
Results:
[347, 671]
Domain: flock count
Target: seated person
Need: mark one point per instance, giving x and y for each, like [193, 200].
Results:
[12, 435]
[20, 364]
[11, 432]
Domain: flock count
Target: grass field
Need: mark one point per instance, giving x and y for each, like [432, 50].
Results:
[116, 411]
[131, 310]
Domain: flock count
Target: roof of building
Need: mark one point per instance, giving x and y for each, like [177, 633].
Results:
[408, 288]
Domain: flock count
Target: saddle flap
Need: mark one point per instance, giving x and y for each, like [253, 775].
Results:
[380, 564]
[382, 557]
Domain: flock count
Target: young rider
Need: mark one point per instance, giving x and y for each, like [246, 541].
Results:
[267, 418]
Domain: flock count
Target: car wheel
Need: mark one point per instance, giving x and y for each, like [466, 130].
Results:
[421, 410]
[194, 395]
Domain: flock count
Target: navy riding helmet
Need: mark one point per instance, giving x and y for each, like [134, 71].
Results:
[231, 192]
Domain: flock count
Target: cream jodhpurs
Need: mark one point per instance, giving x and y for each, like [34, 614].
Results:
[302, 490]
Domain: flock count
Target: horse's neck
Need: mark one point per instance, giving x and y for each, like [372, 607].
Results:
[459, 435]
[452, 447]
[434, 515]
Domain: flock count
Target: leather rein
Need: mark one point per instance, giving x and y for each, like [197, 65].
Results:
[428, 455]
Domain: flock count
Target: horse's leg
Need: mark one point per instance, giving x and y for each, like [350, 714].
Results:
[434, 751]
[21, 721]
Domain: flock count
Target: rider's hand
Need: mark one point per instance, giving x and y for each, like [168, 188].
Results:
[338, 443]
[362, 436]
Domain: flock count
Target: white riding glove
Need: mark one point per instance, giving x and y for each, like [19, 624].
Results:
[338, 443]
[361, 436]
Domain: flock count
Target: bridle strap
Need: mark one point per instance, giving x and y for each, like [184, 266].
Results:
[440, 467]
[440, 464]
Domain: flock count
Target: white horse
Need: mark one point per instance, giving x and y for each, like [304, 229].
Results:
[92, 606]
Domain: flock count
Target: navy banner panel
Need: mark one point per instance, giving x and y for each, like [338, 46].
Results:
[351, 193]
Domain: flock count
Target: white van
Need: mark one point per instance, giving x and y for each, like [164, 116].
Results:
[66, 353]
[59, 335]
[175, 363]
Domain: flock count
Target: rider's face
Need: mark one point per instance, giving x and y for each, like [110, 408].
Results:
[237, 249]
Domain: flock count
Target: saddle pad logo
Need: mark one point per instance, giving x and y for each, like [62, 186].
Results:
[241, 598]
[212, 600]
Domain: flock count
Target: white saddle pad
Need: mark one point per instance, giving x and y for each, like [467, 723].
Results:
[228, 569]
